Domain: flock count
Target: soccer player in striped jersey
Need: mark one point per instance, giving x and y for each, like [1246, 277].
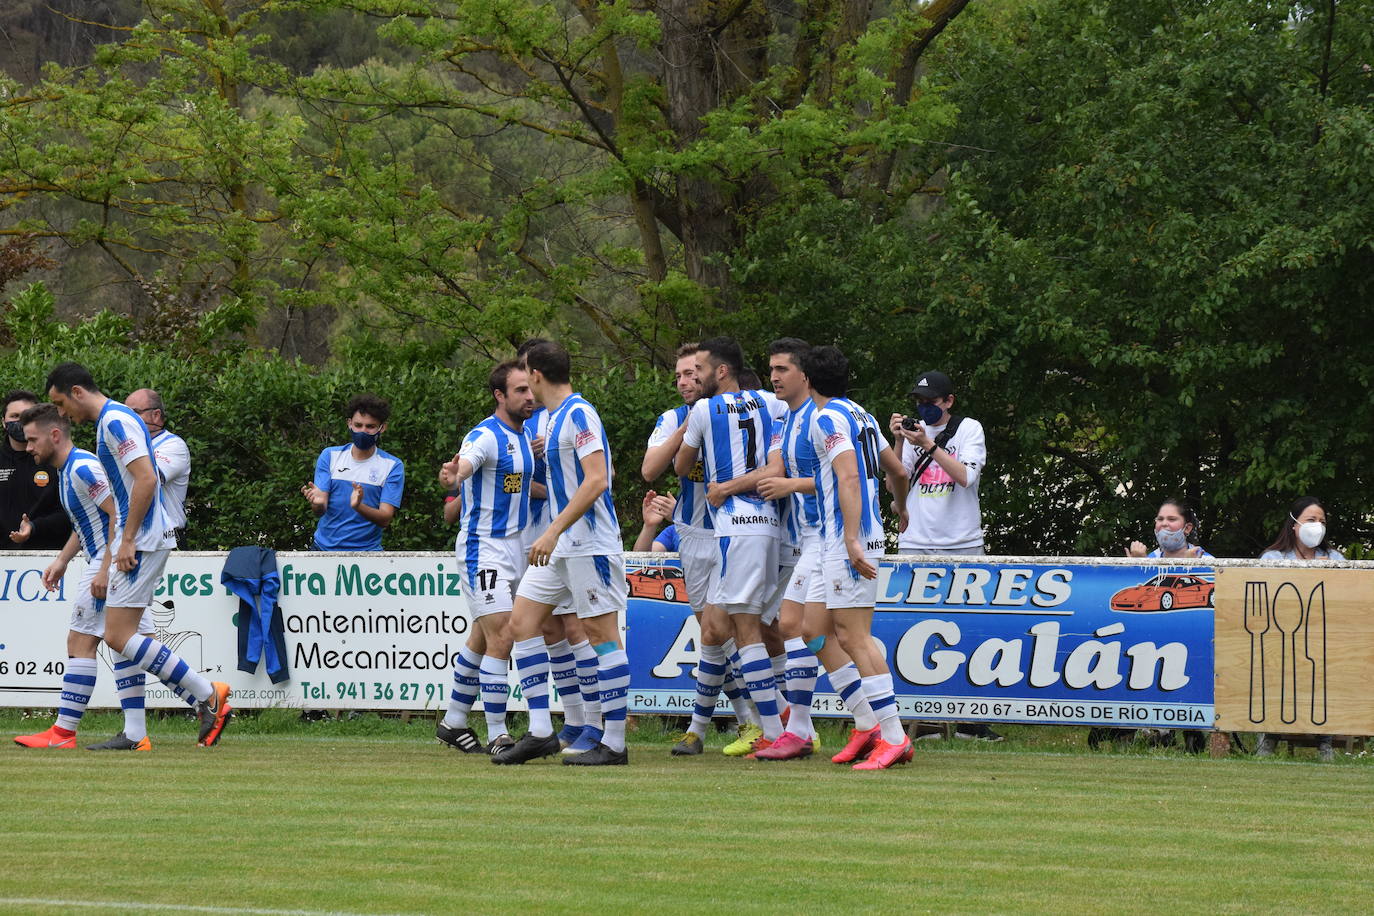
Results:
[84, 493]
[495, 468]
[730, 430]
[572, 660]
[579, 560]
[850, 451]
[143, 538]
[696, 545]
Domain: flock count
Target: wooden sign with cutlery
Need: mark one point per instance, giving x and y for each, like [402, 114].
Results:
[1295, 650]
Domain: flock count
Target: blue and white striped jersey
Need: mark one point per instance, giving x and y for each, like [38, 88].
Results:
[574, 432]
[82, 487]
[496, 498]
[800, 513]
[121, 438]
[838, 427]
[733, 431]
[536, 426]
[690, 511]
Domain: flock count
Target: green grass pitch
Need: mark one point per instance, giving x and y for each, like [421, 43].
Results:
[373, 816]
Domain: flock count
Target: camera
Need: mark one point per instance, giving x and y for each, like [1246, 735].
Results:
[911, 423]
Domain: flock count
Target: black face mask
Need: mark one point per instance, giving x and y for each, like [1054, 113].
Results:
[15, 430]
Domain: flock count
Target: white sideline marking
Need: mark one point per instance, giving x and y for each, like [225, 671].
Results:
[177, 907]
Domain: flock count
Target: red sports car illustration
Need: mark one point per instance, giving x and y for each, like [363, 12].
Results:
[1166, 592]
[656, 582]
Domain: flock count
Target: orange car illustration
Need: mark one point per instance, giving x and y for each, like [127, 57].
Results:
[1166, 592]
[656, 582]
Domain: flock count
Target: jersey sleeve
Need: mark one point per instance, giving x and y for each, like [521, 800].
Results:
[830, 434]
[93, 482]
[697, 421]
[668, 539]
[125, 440]
[479, 448]
[583, 432]
[664, 428]
[395, 485]
[322, 471]
[173, 458]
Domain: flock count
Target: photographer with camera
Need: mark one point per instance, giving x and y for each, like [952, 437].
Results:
[943, 456]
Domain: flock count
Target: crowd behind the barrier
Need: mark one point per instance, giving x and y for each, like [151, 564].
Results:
[778, 518]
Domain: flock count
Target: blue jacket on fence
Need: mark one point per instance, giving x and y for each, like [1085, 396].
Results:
[251, 573]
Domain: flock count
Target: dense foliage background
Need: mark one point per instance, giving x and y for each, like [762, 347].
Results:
[1139, 235]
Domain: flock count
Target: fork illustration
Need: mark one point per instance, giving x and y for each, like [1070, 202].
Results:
[1257, 624]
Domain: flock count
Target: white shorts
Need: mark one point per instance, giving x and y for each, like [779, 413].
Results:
[591, 586]
[801, 580]
[88, 613]
[746, 574]
[698, 553]
[788, 557]
[135, 588]
[491, 568]
[844, 587]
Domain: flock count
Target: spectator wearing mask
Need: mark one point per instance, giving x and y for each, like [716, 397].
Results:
[31, 511]
[1175, 527]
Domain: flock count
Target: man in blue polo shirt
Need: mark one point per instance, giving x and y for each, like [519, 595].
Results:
[357, 487]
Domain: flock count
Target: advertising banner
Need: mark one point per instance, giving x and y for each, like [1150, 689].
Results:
[1122, 645]
[1295, 648]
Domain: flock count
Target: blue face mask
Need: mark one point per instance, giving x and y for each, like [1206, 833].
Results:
[365, 441]
[929, 413]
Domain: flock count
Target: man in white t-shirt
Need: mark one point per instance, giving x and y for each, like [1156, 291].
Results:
[944, 471]
[944, 457]
[172, 456]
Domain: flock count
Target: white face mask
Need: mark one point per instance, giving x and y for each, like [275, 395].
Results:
[1311, 533]
[1169, 541]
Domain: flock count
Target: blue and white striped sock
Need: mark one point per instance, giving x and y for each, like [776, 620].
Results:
[466, 686]
[758, 678]
[495, 690]
[613, 672]
[878, 690]
[735, 689]
[532, 668]
[711, 670]
[779, 665]
[563, 669]
[165, 665]
[78, 682]
[129, 682]
[800, 678]
[588, 684]
[845, 681]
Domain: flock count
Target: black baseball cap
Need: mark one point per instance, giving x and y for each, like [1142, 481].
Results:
[932, 384]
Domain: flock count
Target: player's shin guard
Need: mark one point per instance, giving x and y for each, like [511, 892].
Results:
[495, 690]
[563, 670]
[589, 685]
[165, 665]
[802, 670]
[758, 677]
[532, 667]
[845, 681]
[78, 682]
[878, 689]
[466, 686]
[613, 672]
[711, 670]
[129, 683]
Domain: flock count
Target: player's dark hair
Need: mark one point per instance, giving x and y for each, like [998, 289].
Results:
[749, 380]
[46, 416]
[18, 394]
[794, 346]
[529, 345]
[370, 405]
[724, 351]
[1287, 540]
[549, 360]
[827, 369]
[1185, 510]
[688, 349]
[500, 377]
[68, 376]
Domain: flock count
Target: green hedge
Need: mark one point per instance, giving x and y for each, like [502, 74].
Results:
[256, 423]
